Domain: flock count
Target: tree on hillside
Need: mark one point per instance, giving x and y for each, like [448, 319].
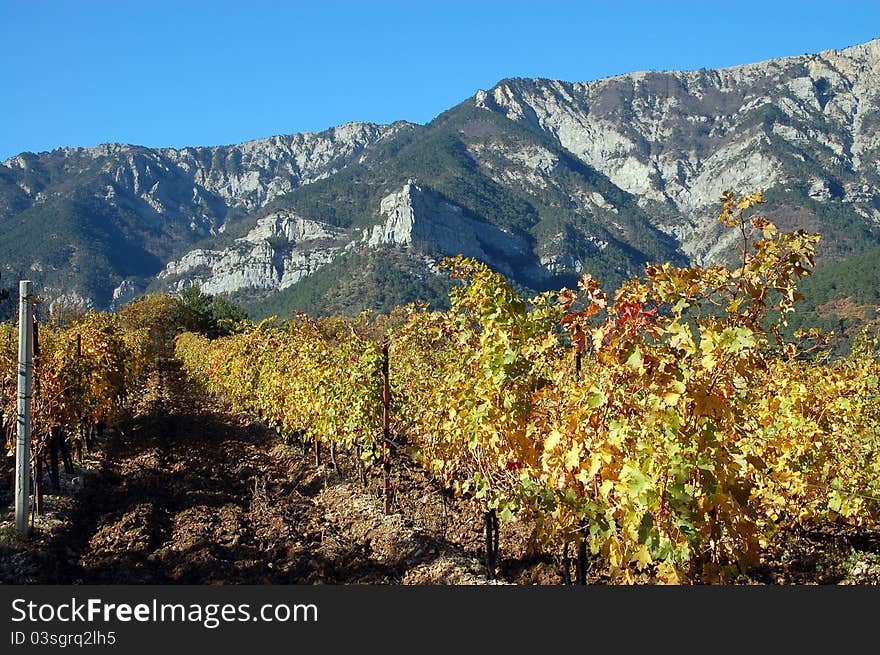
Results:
[215, 316]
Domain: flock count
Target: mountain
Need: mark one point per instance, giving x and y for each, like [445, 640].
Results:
[542, 179]
[97, 224]
[804, 128]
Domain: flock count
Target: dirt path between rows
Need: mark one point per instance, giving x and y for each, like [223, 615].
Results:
[183, 493]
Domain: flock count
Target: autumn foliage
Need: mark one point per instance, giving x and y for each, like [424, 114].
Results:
[671, 427]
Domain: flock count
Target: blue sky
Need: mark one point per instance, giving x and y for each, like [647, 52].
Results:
[84, 72]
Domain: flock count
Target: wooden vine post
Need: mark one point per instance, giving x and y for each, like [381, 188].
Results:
[25, 385]
[39, 454]
[581, 570]
[492, 530]
[386, 428]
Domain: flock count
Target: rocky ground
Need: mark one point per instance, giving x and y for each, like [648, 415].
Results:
[180, 491]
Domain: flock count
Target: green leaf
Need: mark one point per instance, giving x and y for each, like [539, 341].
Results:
[596, 398]
[634, 361]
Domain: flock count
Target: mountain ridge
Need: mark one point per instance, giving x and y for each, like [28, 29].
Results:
[598, 176]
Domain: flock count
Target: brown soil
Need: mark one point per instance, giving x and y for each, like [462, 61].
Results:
[182, 492]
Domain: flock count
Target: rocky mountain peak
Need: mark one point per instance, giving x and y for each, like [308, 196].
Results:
[680, 138]
[278, 251]
[419, 215]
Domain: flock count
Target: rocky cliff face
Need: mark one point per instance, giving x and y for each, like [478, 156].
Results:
[421, 216]
[681, 138]
[283, 249]
[278, 252]
[251, 174]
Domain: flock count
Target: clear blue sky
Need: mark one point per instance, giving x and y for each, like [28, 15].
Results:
[186, 72]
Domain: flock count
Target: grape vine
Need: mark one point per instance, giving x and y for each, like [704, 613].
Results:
[669, 429]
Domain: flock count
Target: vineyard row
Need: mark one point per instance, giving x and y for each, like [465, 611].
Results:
[670, 430]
